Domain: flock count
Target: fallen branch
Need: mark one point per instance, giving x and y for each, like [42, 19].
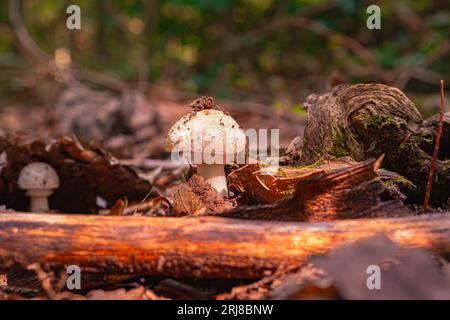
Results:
[194, 247]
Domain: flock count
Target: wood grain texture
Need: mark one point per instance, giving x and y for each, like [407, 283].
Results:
[367, 120]
[194, 247]
[348, 192]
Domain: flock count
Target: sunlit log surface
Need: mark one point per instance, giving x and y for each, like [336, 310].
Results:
[194, 247]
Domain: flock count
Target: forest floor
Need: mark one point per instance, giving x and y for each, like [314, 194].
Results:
[126, 173]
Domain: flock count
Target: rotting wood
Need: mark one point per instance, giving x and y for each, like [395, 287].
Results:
[369, 119]
[86, 174]
[263, 183]
[349, 192]
[194, 247]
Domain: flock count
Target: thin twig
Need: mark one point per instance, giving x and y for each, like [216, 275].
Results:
[143, 200]
[45, 279]
[435, 152]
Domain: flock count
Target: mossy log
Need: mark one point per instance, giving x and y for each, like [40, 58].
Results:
[206, 247]
[368, 120]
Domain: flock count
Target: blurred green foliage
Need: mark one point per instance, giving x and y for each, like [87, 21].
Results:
[232, 47]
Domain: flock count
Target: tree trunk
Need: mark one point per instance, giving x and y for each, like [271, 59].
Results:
[368, 120]
[193, 247]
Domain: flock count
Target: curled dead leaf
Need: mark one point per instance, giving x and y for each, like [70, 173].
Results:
[196, 198]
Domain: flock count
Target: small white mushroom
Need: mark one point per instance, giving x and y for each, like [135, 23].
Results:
[210, 139]
[39, 180]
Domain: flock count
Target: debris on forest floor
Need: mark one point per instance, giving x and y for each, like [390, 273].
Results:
[261, 183]
[322, 179]
[399, 267]
[331, 276]
[196, 198]
[343, 192]
[86, 175]
[39, 284]
[302, 282]
[124, 124]
[393, 185]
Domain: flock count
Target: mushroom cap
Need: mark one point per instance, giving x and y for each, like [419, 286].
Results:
[38, 175]
[207, 131]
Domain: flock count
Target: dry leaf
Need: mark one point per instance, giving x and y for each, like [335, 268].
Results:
[405, 273]
[197, 197]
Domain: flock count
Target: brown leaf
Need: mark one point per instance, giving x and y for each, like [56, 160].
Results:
[405, 273]
[308, 282]
[197, 197]
[119, 207]
[73, 148]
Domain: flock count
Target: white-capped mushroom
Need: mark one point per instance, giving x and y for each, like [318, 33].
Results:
[210, 139]
[39, 180]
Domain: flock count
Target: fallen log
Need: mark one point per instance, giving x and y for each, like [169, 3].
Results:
[193, 247]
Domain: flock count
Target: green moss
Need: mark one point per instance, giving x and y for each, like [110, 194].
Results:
[340, 148]
[313, 165]
[400, 181]
[299, 109]
[379, 121]
[405, 182]
[389, 183]
[420, 139]
[288, 192]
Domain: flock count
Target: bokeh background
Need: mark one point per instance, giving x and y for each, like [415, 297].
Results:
[262, 52]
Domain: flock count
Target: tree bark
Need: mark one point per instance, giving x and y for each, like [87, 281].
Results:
[367, 120]
[193, 247]
[349, 192]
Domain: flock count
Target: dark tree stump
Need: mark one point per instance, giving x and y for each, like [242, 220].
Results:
[368, 120]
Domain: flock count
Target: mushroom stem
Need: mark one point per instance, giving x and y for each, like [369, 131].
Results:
[214, 174]
[39, 199]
